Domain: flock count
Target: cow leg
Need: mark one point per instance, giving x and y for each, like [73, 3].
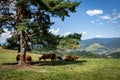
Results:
[51, 59]
[44, 59]
[39, 59]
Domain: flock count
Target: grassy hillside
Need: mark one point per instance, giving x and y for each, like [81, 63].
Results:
[110, 43]
[82, 69]
[94, 46]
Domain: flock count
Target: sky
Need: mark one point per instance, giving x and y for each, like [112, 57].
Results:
[93, 19]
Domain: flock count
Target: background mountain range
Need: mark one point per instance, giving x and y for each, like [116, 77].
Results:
[101, 45]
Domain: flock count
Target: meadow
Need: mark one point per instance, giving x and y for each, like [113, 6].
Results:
[82, 69]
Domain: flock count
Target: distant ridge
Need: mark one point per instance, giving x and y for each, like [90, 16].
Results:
[108, 43]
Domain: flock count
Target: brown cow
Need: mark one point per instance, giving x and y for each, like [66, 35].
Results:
[74, 58]
[60, 58]
[18, 58]
[28, 58]
[70, 58]
[47, 56]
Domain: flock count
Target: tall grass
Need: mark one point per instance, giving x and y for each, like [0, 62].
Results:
[82, 69]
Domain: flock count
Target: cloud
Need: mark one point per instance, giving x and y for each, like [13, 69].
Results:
[109, 18]
[101, 23]
[99, 36]
[118, 15]
[113, 16]
[114, 19]
[97, 20]
[92, 22]
[106, 17]
[84, 35]
[67, 33]
[84, 32]
[94, 12]
[4, 36]
[114, 12]
[55, 32]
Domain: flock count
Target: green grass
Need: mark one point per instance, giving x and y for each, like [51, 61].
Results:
[82, 69]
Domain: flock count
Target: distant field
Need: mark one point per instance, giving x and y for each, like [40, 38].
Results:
[82, 69]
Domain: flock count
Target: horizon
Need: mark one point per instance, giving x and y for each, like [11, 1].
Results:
[4, 39]
[103, 38]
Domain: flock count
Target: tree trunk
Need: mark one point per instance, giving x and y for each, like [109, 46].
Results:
[22, 49]
[23, 39]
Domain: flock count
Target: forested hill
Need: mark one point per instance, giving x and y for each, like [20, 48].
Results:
[109, 43]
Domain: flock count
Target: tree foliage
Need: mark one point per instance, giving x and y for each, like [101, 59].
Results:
[69, 42]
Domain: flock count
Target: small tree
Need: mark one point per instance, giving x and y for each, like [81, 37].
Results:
[69, 42]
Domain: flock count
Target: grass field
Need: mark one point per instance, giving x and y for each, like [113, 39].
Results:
[82, 69]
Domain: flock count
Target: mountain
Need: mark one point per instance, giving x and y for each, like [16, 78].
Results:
[100, 45]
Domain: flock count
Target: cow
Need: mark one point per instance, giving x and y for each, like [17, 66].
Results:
[60, 58]
[28, 58]
[18, 58]
[47, 56]
[74, 58]
[70, 58]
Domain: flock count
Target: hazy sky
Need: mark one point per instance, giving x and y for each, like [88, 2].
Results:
[94, 19]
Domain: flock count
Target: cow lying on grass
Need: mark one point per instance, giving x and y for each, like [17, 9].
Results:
[67, 58]
[27, 57]
[70, 58]
[47, 56]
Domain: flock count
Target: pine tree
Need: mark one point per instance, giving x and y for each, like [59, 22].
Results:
[32, 18]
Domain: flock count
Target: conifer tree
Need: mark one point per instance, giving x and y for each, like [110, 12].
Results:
[32, 18]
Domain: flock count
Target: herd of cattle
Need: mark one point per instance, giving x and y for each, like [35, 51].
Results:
[53, 57]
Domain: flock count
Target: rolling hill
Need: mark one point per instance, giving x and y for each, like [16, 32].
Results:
[100, 45]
